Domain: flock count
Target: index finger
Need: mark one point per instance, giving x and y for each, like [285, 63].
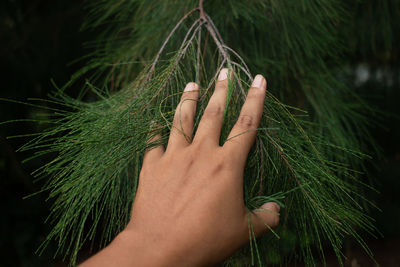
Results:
[244, 132]
[153, 153]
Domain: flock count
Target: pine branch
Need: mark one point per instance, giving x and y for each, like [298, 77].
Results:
[299, 159]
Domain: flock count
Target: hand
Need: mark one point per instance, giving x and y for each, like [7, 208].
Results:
[189, 208]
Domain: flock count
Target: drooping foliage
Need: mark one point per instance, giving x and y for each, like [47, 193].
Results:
[310, 146]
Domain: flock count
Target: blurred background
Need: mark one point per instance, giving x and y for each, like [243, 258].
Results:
[40, 41]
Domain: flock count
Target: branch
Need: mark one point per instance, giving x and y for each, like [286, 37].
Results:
[182, 50]
[153, 65]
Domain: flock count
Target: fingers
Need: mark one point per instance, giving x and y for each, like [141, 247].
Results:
[265, 218]
[243, 133]
[153, 153]
[211, 122]
[182, 127]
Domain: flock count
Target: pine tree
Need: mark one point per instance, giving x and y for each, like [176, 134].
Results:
[311, 144]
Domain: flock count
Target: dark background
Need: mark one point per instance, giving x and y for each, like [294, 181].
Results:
[39, 40]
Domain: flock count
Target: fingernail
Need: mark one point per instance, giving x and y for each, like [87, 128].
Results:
[223, 74]
[190, 87]
[258, 81]
[271, 206]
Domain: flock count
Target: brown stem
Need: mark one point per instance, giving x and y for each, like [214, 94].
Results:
[198, 57]
[198, 21]
[213, 80]
[201, 9]
[153, 65]
[212, 30]
[243, 69]
[221, 47]
[241, 60]
[215, 28]
[183, 48]
[217, 42]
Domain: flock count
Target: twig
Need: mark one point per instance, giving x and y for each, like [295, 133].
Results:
[201, 8]
[182, 51]
[213, 79]
[243, 69]
[190, 31]
[198, 57]
[153, 65]
[241, 60]
[215, 29]
[220, 44]
[217, 42]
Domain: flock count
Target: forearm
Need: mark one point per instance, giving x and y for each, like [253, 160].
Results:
[131, 249]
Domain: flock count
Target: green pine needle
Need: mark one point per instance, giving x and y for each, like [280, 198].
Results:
[308, 153]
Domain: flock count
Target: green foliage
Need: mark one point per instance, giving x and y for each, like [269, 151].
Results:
[309, 151]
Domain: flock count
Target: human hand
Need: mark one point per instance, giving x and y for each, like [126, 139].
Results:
[189, 207]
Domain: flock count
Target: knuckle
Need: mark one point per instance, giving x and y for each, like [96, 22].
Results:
[199, 146]
[181, 117]
[246, 121]
[189, 97]
[218, 166]
[221, 85]
[186, 96]
[255, 93]
[214, 111]
[221, 161]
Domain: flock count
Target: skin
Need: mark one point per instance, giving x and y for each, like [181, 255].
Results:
[189, 208]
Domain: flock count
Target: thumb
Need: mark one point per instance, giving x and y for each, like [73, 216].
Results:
[265, 218]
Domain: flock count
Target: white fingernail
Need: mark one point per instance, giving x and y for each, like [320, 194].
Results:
[223, 74]
[190, 87]
[258, 81]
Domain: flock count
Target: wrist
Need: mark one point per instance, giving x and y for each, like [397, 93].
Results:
[142, 250]
[148, 249]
